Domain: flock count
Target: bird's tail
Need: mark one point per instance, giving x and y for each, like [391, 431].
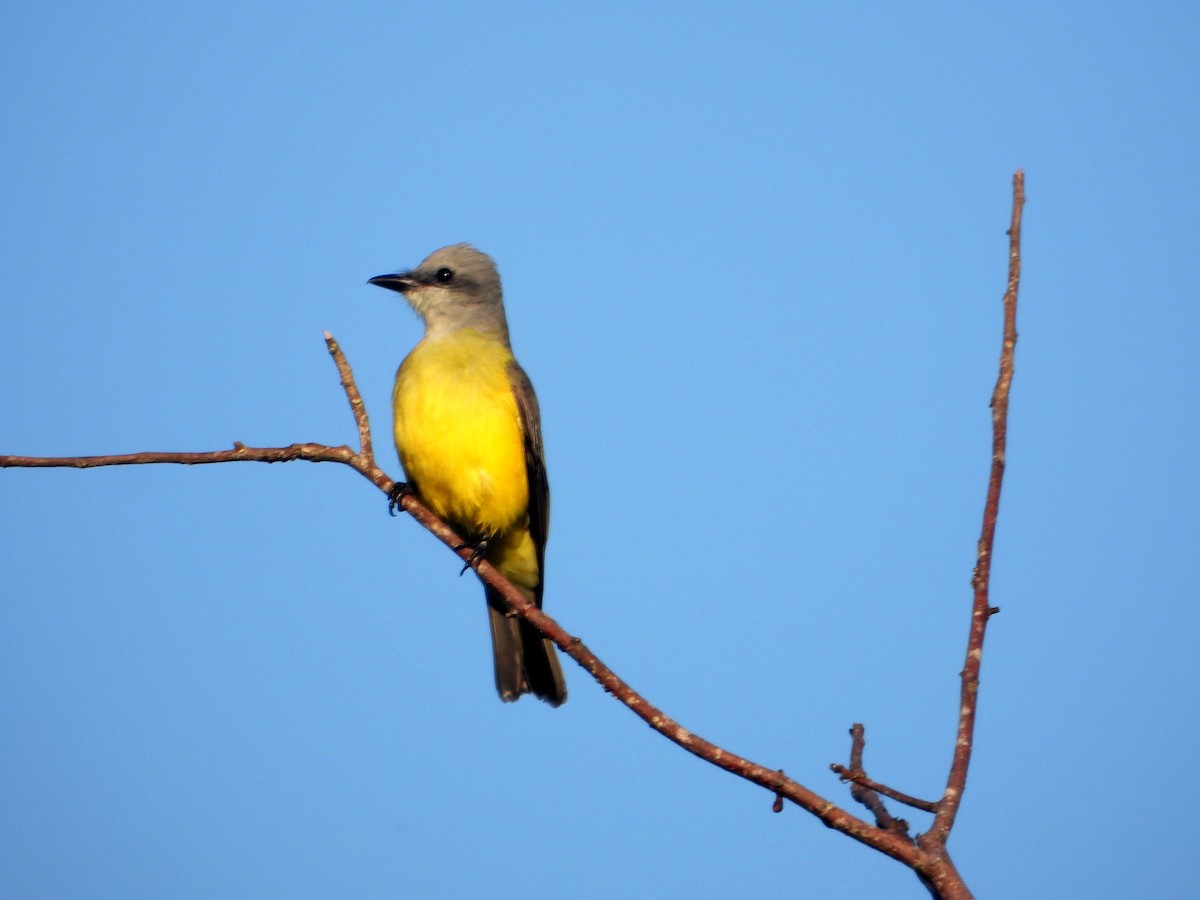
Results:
[526, 662]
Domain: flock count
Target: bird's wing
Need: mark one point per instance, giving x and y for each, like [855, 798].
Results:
[535, 466]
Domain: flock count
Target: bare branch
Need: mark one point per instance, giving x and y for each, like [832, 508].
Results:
[981, 609]
[239, 453]
[772, 779]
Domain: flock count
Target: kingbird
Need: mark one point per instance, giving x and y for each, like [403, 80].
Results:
[469, 436]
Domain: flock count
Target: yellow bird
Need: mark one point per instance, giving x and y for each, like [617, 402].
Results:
[469, 436]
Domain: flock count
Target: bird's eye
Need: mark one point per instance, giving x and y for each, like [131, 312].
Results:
[444, 275]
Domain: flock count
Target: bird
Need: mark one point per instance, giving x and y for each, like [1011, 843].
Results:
[468, 433]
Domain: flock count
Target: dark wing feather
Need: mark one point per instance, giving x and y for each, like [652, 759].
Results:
[539, 662]
[535, 467]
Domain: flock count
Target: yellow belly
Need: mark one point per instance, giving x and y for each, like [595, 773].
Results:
[458, 433]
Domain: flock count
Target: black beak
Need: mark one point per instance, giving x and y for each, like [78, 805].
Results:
[401, 281]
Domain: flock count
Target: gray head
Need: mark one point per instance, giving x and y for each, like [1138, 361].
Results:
[455, 287]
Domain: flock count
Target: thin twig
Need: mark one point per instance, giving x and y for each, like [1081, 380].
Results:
[859, 777]
[357, 407]
[981, 610]
[865, 794]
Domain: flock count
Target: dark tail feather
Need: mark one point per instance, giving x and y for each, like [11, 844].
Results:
[525, 661]
[541, 667]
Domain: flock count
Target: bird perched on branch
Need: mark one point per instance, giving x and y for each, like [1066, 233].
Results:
[469, 436]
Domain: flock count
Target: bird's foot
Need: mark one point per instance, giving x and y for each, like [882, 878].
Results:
[477, 549]
[399, 490]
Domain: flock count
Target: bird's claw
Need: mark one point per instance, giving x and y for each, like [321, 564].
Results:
[477, 551]
[398, 492]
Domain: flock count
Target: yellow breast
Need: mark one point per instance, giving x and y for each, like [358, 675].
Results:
[459, 433]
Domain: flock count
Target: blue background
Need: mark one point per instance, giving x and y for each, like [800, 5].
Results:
[753, 256]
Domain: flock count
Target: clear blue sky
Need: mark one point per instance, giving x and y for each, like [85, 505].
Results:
[753, 257]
